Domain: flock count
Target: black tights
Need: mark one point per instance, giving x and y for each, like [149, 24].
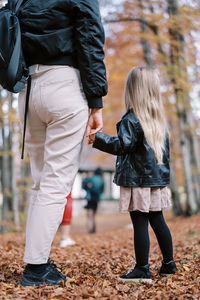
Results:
[140, 222]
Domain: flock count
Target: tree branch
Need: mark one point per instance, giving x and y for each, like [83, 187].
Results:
[142, 21]
[154, 28]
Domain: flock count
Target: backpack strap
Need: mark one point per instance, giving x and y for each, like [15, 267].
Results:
[14, 61]
[18, 4]
[14, 5]
[26, 112]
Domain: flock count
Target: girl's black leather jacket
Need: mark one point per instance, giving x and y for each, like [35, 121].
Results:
[136, 164]
[66, 32]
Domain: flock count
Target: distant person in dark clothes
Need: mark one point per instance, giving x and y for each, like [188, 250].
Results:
[94, 187]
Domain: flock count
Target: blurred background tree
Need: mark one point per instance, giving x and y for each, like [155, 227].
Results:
[159, 33]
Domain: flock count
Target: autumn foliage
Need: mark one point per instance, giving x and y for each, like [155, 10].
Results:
[94, 264]
[158, 33]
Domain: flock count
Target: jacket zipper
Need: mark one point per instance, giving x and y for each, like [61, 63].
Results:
[2, 57]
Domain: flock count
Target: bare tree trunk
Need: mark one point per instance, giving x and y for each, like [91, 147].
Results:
[177, 208]
[147, 56]
[145, 44]
[5, 179]
[186, 155]
[10, 199]
[25, 186]
[183, 110]
[195, 157]
[15, 204]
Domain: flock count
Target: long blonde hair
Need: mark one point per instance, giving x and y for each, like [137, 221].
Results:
[142, 94]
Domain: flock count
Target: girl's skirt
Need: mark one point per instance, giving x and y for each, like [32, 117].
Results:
[144, 199]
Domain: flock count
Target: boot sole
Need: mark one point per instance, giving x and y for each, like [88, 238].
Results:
[166, 274]
[135, 280]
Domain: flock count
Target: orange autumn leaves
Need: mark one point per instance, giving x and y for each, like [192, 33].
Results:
[95, 262]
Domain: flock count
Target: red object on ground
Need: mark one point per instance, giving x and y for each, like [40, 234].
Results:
[67, 216]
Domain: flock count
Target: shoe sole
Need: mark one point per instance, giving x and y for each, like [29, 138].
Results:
[61, 246]
[25, 282]
[135, 280]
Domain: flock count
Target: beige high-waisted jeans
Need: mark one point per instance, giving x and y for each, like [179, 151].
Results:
[57, 117]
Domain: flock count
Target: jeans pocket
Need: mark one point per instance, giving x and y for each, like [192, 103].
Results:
[54, 97]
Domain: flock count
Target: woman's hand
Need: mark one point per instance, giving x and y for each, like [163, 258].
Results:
[91, 138]
[95, 124]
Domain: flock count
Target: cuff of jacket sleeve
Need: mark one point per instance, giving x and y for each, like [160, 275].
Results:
[95, 103]
[97, 141]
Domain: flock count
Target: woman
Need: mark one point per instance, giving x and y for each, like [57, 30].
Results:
[63, 47]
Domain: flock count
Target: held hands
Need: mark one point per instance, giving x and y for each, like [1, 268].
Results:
[95, 124]
[91, 138]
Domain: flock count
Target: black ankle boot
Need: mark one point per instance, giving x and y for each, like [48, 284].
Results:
[137, 274]
[168, 268]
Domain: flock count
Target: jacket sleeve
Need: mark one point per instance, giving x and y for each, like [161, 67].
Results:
[89, 39]
[106, 143]
[123, 143]
[127, 134]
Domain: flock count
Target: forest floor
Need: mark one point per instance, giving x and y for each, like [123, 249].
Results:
[93, 265]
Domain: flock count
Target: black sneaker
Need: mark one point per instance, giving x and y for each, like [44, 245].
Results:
[168, 268]
[50, 276]
[137, 274]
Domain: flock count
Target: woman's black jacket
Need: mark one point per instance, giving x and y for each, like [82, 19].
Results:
[66, 32]
[136, 164]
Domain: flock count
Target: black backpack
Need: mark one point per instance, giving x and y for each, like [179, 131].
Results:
[13, 70]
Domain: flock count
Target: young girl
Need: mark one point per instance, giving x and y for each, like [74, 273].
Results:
[142, 168]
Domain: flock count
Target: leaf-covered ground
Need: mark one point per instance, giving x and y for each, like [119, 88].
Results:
[95, 262]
